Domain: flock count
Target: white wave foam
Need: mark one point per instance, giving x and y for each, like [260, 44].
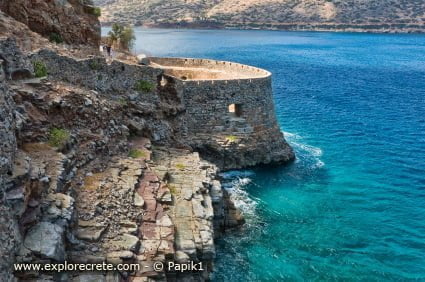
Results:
[314, 151]
[235, 183]
[291, 135]
[310, 153]
[237, 174]
[244, 181]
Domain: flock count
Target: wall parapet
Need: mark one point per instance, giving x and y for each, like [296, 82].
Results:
[192, 69]
[95, 73]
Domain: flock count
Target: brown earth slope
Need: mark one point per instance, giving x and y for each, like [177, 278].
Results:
[71, 21]
[340, 15]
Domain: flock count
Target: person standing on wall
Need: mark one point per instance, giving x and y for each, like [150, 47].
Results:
[108, 49]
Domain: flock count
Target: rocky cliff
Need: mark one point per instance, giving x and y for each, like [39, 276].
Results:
[71, 21]
[97, 165]
[85, 185]
[9, 232]
[352, 15]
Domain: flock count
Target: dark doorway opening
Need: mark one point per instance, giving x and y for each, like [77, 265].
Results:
[235, 110]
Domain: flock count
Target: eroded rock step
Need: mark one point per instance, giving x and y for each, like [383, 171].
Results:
[189, 179]
[135, 210]
[143, 210]
[111, 212]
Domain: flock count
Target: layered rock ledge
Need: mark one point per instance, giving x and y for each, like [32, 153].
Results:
[118, 162]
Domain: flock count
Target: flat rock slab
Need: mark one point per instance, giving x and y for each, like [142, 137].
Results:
[126, 242]
[92, 234]
[46, 239]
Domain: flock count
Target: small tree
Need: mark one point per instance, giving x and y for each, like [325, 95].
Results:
[122, 36]
[127, 38]
[115, 33]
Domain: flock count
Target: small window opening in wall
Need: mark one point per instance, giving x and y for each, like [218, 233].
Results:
[163, 81]
[235, 110]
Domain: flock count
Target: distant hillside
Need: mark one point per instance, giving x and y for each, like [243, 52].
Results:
[349, 15]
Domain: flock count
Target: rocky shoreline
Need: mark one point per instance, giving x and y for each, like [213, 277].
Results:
[90, 201]
[319, 27]
[108, 161]
[104, 192]
[386, 16]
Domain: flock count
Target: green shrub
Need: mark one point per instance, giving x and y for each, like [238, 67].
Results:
[58, 137]
[137, 154]
[180, 166]
[144, 86]
[96, 11]
[94, 65]
[231, 138]
[55, 37]
[40, 69]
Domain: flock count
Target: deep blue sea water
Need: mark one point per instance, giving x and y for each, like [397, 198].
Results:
[352, 207]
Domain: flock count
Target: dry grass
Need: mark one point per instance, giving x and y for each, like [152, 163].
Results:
[36, 147]
[92, 182]
[172, 188]
[137, 154]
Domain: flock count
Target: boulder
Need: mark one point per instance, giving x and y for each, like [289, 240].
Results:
[16, 65]
[91, 234]
[90, 230]
[60, 205]
[46, 240]
[165, 221]
[181, 257]
[138, 200]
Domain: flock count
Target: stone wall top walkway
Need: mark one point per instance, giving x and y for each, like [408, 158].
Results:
[205, 69]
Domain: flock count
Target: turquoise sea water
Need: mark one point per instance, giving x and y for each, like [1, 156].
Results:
[352, 207]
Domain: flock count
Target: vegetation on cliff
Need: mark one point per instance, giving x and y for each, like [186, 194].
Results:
[144, 86]
[58, 137]
[40, 69]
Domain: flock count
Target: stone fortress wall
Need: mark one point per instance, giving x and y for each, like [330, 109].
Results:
[208, 99]
[225, 110]
[95, 73]
[228, 105]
